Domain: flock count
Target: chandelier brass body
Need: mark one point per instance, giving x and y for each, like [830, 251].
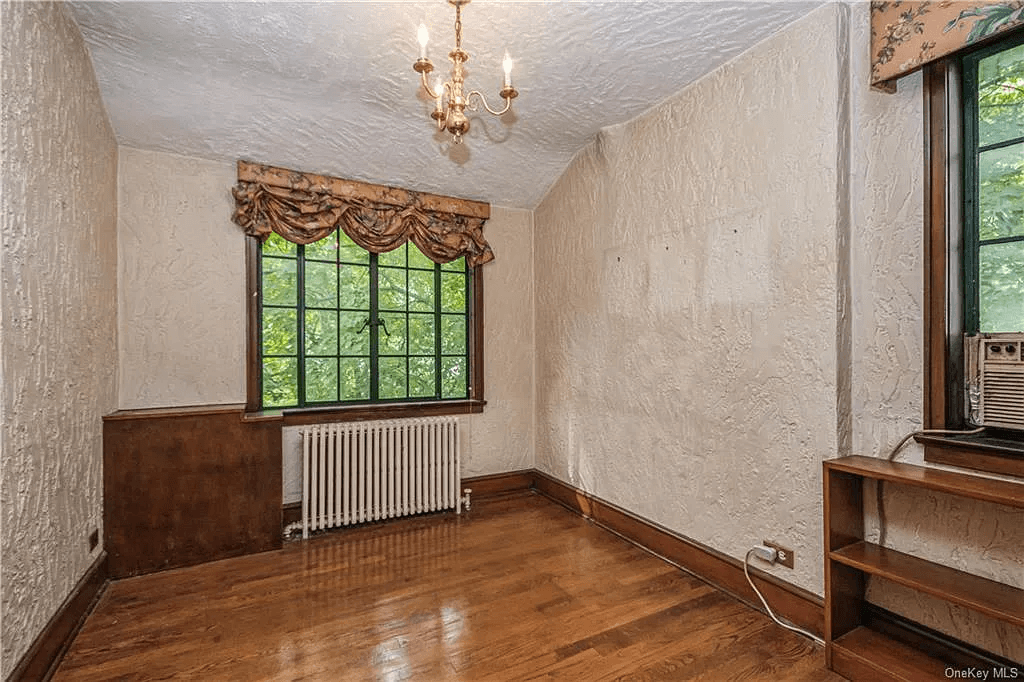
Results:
[450, 100]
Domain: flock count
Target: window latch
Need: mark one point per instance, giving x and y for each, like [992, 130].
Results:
[368, 323]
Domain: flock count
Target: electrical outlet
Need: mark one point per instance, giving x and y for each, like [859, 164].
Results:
[785, 554]
[94, 539]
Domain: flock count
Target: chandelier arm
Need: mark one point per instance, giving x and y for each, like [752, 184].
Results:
[483, 101]
[426, 87]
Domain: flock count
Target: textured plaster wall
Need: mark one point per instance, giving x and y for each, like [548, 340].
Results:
[501, 438]
[686, 270]
[58, 349]
[887, 368]
[182, 275]
[729, 291]
[182, 307]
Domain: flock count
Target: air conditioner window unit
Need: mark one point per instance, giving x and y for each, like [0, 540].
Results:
[995, 380]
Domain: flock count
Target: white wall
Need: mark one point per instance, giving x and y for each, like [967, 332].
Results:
[729, 291]
[58, 347]
[887, 203]
[686, 304]
[182, 307]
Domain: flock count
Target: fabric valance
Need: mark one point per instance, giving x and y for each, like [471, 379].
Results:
[908, 35]
[304, 208]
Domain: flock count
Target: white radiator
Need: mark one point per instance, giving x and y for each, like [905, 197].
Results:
[358, 472]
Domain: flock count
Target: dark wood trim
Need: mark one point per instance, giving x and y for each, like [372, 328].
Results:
[795, 604]
[989, 455]
[322, 415]
[353, 189]
[476, 337]
[253, 399]
[171, 412]
[186, 486]
[493, 485]
[949, 650]
[43, 657]
[935, 173]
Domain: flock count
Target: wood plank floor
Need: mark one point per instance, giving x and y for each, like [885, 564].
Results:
[517, 589]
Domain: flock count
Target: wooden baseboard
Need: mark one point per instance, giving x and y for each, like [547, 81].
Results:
[951, 651]
[798, 606]
[493, 485]
[43, 657]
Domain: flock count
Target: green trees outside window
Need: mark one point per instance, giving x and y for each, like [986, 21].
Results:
[341, 325]
[994, 187]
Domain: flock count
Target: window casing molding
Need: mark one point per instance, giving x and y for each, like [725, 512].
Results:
[355, 412]
[944, 277]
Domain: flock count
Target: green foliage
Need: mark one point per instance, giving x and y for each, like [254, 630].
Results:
[337, 333]
[1001, 191]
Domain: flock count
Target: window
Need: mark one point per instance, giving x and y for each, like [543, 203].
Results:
[993, 141]
[340, 326]
[974, 236]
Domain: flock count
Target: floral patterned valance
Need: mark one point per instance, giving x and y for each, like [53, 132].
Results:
[907, 35]
[304, 208]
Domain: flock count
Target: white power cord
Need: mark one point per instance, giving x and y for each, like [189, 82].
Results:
[769, 554]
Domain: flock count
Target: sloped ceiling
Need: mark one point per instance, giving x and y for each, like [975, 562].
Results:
[328, 87]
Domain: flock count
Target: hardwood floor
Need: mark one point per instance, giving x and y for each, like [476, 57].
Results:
[517, 589]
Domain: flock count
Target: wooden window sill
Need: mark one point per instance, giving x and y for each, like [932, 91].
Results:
[335, 413]
[995, 453]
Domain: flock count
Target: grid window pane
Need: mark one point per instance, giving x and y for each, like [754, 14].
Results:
[421, 291]
[453, 334]
[394, 342]
[276, 245]
[422, 382]
[453, 377]
[421, 334]
[453, 292]
[392, 259]
[321, 332]
[418, 260]
[392, 378]
[321, 380]
[1001, 287]
[355, 378]
[279, 281]
[457, 265]
[354, 333]
[280, 382]
[321, 285]
[1001, 81]
[354, 290]
[279, 331]
[350, 252]
[325, 249]
[1001, 191]
[391, 294]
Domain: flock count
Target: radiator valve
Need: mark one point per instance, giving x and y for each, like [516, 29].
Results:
[464, 500]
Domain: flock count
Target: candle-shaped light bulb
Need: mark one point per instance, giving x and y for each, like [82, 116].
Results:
[437, 89]
[506, 64]
[422, 37]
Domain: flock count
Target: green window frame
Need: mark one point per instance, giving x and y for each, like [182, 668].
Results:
[337, 326]
[993, 187]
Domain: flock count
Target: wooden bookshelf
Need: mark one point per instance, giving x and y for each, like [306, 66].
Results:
[853, 649]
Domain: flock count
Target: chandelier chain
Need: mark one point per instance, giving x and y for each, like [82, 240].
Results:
[458, 27]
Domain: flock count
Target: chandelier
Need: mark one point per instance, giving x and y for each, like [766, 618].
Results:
[450, 103]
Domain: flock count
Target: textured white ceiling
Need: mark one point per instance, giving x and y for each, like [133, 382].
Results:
[328, 87]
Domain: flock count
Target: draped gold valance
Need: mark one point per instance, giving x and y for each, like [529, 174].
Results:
[304, 208]
[907, 35]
